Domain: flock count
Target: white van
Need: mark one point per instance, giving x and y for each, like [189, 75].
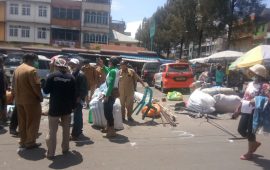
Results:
[13, 60]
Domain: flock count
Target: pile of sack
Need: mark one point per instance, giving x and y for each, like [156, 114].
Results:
[97, 110]
[216, 99]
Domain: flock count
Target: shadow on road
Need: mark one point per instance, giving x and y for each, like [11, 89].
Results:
[261, 162]
[65, 161]
[2, 130]
[147, 123]
[119, 139]
[84, 140]
[32, 154]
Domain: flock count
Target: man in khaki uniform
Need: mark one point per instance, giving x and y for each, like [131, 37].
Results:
[101, 76]
[127, 83]
[28, 97]
[92, 78]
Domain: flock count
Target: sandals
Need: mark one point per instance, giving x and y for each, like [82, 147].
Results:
[246, 156]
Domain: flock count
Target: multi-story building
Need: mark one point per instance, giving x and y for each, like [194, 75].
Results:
[95, 22]
[2, 20]
[66, 23]
[28, 21]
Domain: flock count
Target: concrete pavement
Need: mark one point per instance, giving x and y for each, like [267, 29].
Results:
[194, 144]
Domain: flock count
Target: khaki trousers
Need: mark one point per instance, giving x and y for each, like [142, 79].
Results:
[51, 137]
[29, 119]
[126, 103]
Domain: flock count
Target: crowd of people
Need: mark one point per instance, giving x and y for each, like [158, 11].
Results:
[70, 86]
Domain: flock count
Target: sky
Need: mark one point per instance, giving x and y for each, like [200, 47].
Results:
[133, 11]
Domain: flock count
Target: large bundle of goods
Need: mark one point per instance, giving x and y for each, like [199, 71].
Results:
[219, 90]
[201, 102]
[97, 108]
[226, 103]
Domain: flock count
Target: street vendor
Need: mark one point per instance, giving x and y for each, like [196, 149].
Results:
[258, 87]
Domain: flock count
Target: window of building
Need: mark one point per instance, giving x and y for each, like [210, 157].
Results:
[105, 18]
[98, 38]
[14, 9]
[42, 11]
[13, 31]
[42, 34]
[26, 9]
[99, 18]
[25, 32]
[92, 38]
[104, 39]
[86, 17]
[93, 17]
[63, 13]
[55, 12]
[76, 14]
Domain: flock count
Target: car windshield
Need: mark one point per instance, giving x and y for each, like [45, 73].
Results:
[178, 68]
[13, 60]
[152, 66]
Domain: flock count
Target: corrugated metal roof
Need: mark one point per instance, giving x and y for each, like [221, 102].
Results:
[117, 36]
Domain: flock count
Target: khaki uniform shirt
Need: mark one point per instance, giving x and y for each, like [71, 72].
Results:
[91, 75]
[127, 81]
[27, 85]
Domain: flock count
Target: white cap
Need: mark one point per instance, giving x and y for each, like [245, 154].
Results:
[74, 61]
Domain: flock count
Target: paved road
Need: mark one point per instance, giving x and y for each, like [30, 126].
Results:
[194, 144]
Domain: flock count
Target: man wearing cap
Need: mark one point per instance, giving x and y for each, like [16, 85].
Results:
[61, 87]
[28, 97]
[91, 76]
[127, 83]
[81, 91]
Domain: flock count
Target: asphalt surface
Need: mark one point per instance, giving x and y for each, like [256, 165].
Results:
[195, 144]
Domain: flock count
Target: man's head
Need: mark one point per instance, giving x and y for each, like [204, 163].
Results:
[113, 62]
[60, 64]
[219, 67]
[74, 64]
[31, 59]
[124, 65]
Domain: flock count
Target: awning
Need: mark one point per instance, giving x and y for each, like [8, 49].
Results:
[144, 59]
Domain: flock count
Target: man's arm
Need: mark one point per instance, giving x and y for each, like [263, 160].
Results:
[48, 85]
[137, 78]
[35, 83]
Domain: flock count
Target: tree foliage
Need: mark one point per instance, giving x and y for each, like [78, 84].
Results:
[184, 21]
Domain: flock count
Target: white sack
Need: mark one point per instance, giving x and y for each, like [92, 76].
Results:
[219, 90]
[99, 119]
[226, 103]
[201, 102]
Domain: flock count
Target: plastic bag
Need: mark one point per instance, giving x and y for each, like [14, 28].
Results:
[201, 102]
[174, 96]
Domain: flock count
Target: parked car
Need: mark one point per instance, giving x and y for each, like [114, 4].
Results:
[173, 76]
[13, 60]
[148, 71]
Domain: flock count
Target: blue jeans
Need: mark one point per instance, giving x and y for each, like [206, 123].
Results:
[77, 121]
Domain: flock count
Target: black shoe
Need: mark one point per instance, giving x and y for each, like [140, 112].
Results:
[36, 145]
[50, 157]
[130, 119]
[65, 152]
[73, 138]
[13, 132]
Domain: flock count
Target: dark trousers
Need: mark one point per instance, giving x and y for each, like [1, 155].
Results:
[14, 119]
[77, 121]
[245, 127]
[108, 110]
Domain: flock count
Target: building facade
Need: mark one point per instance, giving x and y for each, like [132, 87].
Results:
[28, 21]
[95, 22]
